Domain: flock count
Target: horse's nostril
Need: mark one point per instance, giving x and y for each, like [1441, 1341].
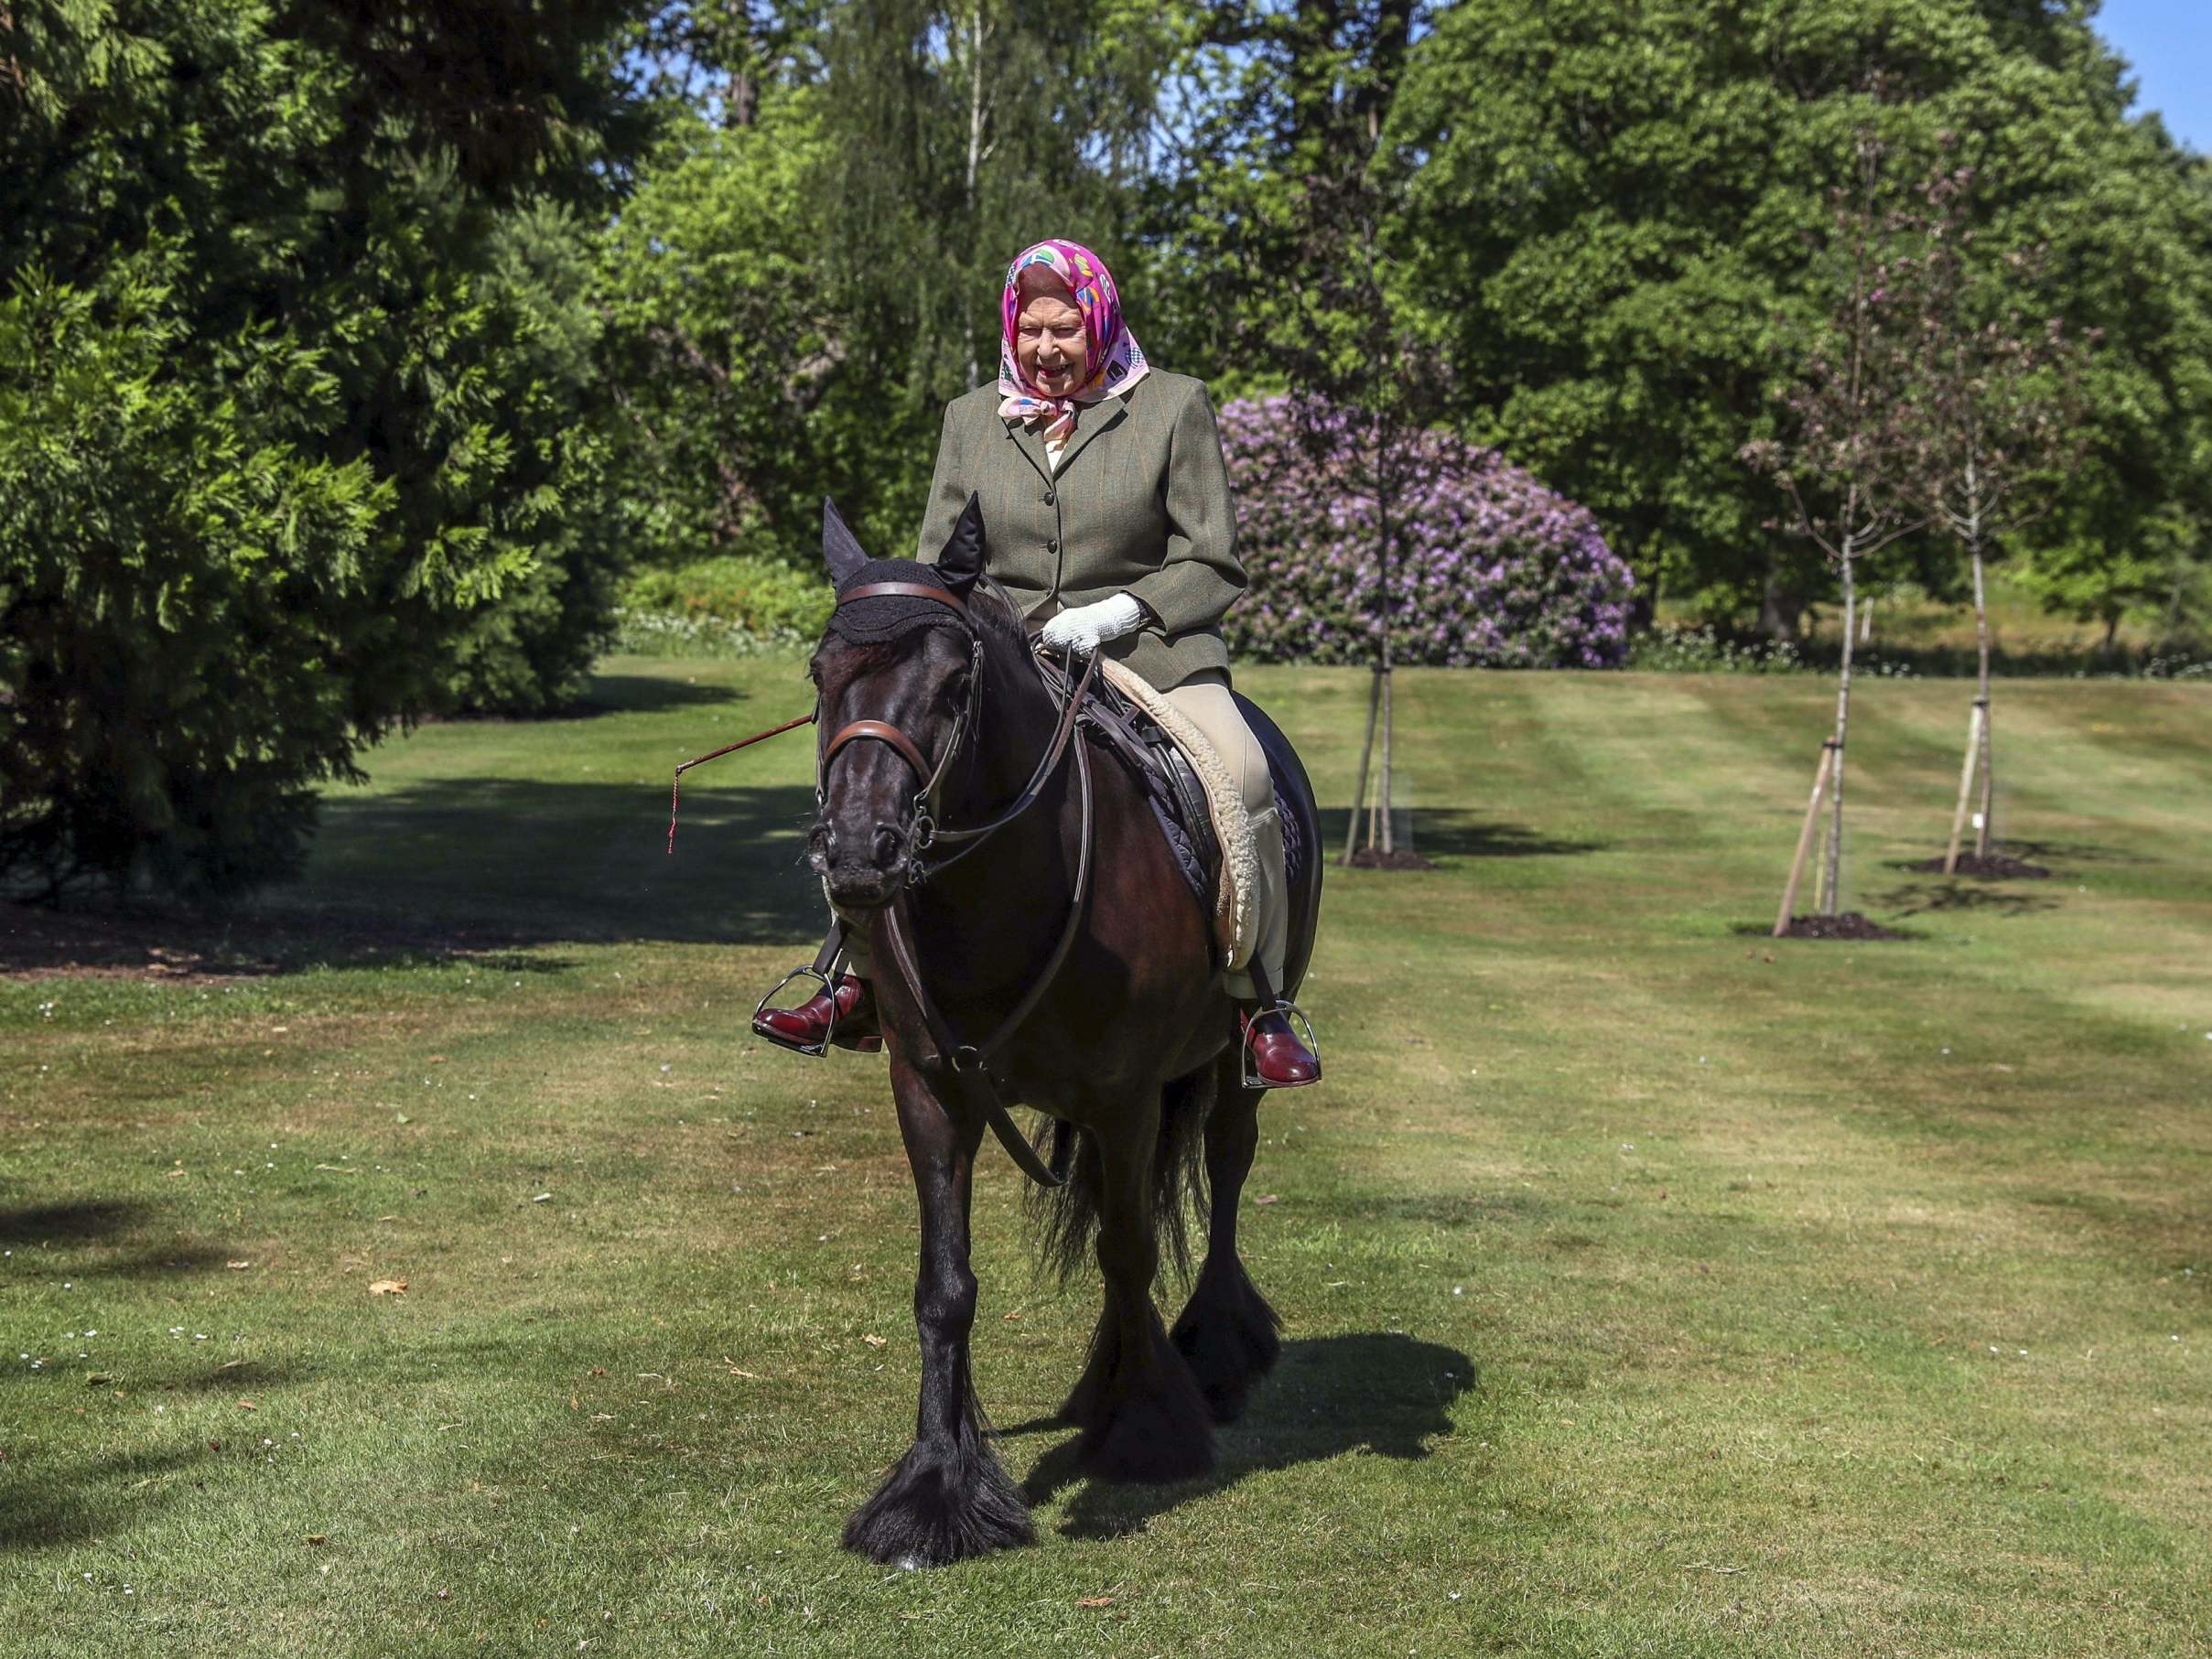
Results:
[887, 840]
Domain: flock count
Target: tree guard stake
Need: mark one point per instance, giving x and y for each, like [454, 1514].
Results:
[676, 784]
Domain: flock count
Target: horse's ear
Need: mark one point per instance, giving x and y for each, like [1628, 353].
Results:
[961, 562]
[840, 547]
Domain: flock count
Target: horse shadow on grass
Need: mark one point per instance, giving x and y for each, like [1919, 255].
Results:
[1379, 1394]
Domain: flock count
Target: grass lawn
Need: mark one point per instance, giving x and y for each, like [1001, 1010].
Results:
[1651, 1287]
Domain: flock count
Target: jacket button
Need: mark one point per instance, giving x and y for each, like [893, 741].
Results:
[1052, 545]
[1050, 498]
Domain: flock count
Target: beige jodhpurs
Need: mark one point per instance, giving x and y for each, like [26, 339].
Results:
[1205, 700]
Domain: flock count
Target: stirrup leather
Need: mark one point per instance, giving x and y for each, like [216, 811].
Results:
[1300, 1026]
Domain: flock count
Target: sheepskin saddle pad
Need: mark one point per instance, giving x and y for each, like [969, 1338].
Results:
[1234, 900]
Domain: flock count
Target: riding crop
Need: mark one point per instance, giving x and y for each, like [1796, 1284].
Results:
[676, 783]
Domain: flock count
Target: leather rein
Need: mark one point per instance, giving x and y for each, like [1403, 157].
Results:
[967, 1062]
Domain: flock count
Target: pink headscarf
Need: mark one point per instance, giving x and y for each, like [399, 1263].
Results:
[1115, 360]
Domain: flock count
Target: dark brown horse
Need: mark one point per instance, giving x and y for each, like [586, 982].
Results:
[1065, 948]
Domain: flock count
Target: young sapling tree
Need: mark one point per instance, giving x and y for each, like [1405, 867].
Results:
[2000, 418]
[1846, 452]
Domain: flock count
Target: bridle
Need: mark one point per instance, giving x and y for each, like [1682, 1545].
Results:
[971, 1061]
[927, 832]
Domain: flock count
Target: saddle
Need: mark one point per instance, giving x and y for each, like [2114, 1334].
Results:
[1193, 797]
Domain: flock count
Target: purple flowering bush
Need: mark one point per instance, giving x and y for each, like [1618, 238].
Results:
[1494, 569]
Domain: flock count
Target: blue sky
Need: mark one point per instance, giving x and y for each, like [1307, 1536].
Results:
[2168, 45]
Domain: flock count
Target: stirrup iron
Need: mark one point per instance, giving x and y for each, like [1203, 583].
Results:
[813, 1049]
[825, 964]
[1300, 1026]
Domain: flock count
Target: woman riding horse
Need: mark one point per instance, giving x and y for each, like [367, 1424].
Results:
[1131, 552]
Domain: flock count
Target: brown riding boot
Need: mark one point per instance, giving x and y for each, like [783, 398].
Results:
[814, 1024]
[1279, 1058]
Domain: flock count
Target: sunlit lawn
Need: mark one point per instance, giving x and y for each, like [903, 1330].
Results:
[1651, 1287]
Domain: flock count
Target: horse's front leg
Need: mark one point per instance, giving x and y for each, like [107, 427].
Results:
[948, 1498]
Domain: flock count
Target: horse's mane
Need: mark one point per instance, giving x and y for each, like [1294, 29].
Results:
[1003, 616]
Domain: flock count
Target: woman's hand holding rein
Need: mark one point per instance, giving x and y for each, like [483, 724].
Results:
[1087, 627]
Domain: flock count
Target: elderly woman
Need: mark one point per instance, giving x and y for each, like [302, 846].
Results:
[1110, 523]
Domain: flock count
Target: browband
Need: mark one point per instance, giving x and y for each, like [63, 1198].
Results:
[905, 590]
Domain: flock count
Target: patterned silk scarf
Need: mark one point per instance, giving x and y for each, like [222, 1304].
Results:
[1112, 356]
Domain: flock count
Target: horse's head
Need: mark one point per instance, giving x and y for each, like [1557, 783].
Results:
[895, 677]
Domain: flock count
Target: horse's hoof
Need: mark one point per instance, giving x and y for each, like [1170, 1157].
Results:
[941, 1505]
[1165, 1434]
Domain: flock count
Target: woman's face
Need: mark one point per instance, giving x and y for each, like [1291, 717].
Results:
[1048, 340]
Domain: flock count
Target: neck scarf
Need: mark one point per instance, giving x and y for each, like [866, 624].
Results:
[1112, 356]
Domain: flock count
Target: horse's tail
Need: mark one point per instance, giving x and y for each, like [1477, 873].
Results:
[1066, 1216]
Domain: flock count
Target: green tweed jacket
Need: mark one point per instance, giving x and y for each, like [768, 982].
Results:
[1140, 504]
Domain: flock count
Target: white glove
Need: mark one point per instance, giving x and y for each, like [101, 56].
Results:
[1087, 627]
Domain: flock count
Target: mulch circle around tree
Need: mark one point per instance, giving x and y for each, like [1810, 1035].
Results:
[1372, 858]
[1995, 867]
[1849, 925]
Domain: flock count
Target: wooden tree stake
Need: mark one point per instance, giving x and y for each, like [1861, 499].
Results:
[1805, 839]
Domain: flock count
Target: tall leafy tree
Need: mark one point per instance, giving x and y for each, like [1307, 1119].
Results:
[1610, 212]
[273, 418]
[723, 341]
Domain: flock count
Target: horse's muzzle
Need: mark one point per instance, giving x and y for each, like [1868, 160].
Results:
[862, 878]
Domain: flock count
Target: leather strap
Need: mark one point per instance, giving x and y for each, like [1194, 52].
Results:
[904, 590]
[973, 1064]
[968, 839]
[883, 731]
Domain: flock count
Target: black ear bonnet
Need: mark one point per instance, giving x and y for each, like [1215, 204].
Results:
[891, 616]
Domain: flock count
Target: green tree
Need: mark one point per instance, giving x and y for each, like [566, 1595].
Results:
[271, 419]
[723, 341]
[1613, 210]
[531, 650]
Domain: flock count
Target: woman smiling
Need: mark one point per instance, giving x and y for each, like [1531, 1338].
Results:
[1109, 519]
